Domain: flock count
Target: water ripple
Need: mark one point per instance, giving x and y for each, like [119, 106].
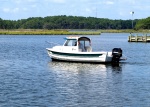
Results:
[28, 77]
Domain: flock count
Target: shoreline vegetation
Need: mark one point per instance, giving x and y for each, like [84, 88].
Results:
[67, 31]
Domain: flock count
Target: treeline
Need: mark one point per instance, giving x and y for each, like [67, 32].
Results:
[66, 22]
[143, 24]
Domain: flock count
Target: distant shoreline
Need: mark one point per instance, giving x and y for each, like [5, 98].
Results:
[67, 32]
[47, 32]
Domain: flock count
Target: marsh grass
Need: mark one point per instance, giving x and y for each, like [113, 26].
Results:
[125, 31]
[67, 32]
[46, 32]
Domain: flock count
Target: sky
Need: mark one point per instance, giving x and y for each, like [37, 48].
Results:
[111, 9]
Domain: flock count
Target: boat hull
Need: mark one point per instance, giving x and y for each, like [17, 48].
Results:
[91, 57]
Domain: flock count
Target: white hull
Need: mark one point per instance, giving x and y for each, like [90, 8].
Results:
[93, 57]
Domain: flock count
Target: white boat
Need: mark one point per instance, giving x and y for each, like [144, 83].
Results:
[79, 49]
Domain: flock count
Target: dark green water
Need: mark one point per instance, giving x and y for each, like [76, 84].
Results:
[28, 77]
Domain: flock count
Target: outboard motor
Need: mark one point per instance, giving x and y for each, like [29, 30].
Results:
[116, 54]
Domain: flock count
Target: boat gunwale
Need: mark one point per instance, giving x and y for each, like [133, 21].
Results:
[98, 52]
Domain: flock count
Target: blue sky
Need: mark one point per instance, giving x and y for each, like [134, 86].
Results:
[111, 9]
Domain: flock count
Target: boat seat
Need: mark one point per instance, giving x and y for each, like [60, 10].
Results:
[88, 49]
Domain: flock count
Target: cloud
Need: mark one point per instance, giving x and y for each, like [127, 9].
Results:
[9, 10]
[109, 2]
[23, 2]
[17, 1]
[121, 13]
[6, 10]
[56, 1]
[133, 2]
[88, 10]
[31, 0]
[34, 5]
[59, 1]
[25, 9]
[15, 10]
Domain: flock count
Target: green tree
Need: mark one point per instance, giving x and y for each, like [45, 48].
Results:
[143, 24]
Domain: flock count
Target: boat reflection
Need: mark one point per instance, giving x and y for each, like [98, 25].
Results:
[70, 66]
[68, 69]
[75, 67]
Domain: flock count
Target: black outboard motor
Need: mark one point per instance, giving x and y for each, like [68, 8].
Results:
[116, 54]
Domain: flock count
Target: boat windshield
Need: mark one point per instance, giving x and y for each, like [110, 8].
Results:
[71, 42]
[84, 44]
[85, 41]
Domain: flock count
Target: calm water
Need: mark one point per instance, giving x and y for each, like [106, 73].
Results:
[28, 77]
